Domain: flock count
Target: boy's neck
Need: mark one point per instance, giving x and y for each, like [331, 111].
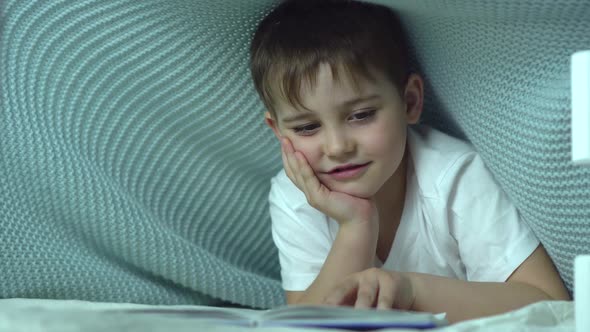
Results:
[391, 197]
[390, 204]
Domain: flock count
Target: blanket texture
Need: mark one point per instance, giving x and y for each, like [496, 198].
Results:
[135, 165]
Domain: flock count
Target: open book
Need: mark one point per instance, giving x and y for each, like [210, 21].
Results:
[307, 316]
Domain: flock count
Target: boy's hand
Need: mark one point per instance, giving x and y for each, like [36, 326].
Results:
[342, 207]
[374, 288]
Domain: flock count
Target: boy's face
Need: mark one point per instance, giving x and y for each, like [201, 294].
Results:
[353, 137]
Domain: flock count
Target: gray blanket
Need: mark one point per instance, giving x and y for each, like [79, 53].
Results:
[135, 165]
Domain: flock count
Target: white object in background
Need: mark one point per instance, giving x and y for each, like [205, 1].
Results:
[582, 292]
[581, 107]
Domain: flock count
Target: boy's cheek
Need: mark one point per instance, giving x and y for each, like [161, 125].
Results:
[308, 152]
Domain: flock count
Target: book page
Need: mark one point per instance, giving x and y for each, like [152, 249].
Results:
[342, 313]
[207, 313]
[302, 316]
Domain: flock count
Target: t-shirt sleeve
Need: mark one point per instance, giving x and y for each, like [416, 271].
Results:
[493, 239]
[300, 233]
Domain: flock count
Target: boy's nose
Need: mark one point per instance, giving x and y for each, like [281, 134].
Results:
[337, 144]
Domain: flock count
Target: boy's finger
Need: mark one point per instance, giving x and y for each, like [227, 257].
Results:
[302, 174]
[286, 143]
[313, 188]
[286, 165]
[296, 162]
[290, 162]
[308, 178]
[291, 171]
[366, 294]
[308, 175]
[387, 290]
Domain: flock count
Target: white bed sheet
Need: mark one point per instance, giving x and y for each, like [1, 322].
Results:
[33, 315]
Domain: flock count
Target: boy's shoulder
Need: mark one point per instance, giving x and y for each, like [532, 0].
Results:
[438, 159]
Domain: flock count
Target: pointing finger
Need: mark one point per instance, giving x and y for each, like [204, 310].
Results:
[367, 291]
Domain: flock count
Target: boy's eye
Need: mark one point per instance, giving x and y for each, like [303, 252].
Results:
[364, 115]
[306, 129]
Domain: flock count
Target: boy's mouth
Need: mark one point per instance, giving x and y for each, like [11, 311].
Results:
[347, 167]
[348, 172]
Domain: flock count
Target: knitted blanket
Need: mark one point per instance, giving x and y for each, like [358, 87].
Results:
[135, 164]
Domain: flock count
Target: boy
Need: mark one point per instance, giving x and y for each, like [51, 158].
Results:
[368, 211]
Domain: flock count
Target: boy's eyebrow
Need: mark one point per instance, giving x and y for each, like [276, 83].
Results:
[297, 117]
[358, 100]
[343, 105]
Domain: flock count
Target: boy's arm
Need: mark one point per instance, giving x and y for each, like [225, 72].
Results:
[536, 279]
[355, 245]
[353, 251]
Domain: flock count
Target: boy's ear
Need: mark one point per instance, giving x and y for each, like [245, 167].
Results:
[414, 98]
[272, 124]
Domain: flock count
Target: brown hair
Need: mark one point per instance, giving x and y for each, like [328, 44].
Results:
[296, 37]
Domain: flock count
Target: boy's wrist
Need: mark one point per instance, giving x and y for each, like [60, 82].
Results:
[369, 221]
[361, 235]
[370, 225]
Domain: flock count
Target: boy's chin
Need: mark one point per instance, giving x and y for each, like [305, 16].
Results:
[353, 191]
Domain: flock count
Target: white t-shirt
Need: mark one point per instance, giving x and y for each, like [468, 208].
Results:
[456, 221]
